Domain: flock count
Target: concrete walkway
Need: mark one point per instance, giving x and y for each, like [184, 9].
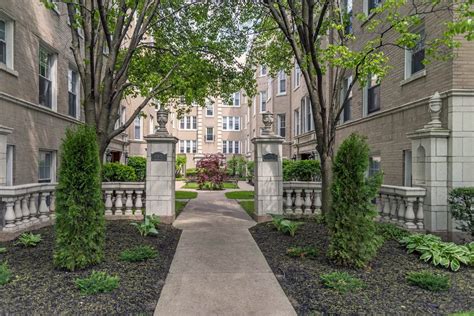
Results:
[218, 268]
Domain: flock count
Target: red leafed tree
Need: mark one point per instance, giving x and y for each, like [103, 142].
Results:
[210, 172]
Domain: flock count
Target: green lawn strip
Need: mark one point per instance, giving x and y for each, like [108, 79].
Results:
[185, 195]
[248, 206]
[179, 206]
[230, 185]
[240, 195]
[194, 185]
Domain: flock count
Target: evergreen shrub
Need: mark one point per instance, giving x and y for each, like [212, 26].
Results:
[139, 166]
[117, 172]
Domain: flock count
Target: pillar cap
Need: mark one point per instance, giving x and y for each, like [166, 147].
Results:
[429, 133]
[161, 137]
[268, 139]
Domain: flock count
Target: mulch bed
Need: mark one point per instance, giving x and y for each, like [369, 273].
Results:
[386, 290]
[38, 288]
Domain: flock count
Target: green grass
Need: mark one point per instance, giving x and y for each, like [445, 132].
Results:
[186, 195]
[230, 185]
[240, 195]
[248, 206]
[179, 205]
[194, 185]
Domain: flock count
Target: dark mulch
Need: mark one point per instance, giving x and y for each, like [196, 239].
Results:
[38, 288]
[386, 290]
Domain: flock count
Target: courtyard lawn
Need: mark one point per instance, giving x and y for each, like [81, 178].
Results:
[194, 185]
[37, 287]
[248, 206]
[383, 289]
[185, 195]
[179, 206]
[240, 195]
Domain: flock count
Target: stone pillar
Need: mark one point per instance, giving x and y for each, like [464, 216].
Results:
[4, 132]
[160, 171]
[268, 172]
[430, 166]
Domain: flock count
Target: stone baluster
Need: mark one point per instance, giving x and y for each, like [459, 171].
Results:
[138, 203]
[386, 206]
[289, 201]
[24, 208]
[379, 202]
[420, 214]
[10, 214]
[401, 210]
[118, 203]
[410, 214]
[52, 204]
[108, 202]
[393, 208]
[298, 201]
[43, 207]
[129, 202]
[18, 213]
[317, 201]
[32, 207]
[307, 201]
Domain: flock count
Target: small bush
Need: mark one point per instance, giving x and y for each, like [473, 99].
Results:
[147, 227]
[461, 202]
[154, 219]
[180, 165]
[250, 170]
[236, 166]
[301, 170]
[210, 173]
[5, 273]
[3, 250]
[191, 172]
[391, 232]
[116, 172]
[285, 226]
[139, 166]
[140, 253]
[341, 282]
[303, 252]
[429, 281]
[29, 240]
[97, 282]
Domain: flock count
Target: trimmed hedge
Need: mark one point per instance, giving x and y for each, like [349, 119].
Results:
[139, 166]
[117, 172]
[301, 170]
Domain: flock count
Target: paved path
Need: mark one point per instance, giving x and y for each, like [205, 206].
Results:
[218, 268]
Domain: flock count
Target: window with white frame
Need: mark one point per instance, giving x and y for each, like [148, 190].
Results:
[73, 94]
[296, 121]
[231, 123]
[47, 64]
[236, 99]
[297, 76]
[121, 119]
[188, 123]
[373, 94]
[231, 147]
[209, 134]
[414, 57]
[137, 127]
[187, 146]
[281, 125]
[209, 109]
[347, 111]
[281, 82]
[10, 162]
[46, 166]
[306, 115]
[263, 101]
[374, 165]
[6, 41]
[407, 170]
[263, 70]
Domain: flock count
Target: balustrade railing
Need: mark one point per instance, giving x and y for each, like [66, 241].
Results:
[301, 198]
[124, 198]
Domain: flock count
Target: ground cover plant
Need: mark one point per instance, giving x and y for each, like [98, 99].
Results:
[302, 252]
[5, 273]
[285, 226]
[140, 253]
[52, 291]
[428, 280]
[390, 231]
[341, 282]
[97, 282]
[147, 226]
[3, 249]
[185, 195]
[29, 239]
[240, 195]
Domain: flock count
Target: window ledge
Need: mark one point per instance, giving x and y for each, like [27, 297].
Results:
[296, 88]
[280, 94]
[8, 70]
[415, 76]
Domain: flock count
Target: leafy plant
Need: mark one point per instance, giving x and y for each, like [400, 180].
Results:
[302, 252]
[210, 174]
[139, 166]
[80, 222]
[461, 202]
[140, 253]
[429, 281]
[447, 254]
[154, 219]
[97, 282]
[341, 282]
[147, 227]
[284, 225]
[5, 273]
[236, 166]
[29, 240]
[301, 170]
[276, 221]
[191, 172]
[117, 172]
[353, 237]
[390, 231]
[250, 170]
[180, 165]
[3, 250]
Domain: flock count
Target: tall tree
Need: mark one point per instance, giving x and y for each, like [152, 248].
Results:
[318, 36]
[154, 49]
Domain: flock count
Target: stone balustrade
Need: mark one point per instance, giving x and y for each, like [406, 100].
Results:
[23, 206]
[301, 198]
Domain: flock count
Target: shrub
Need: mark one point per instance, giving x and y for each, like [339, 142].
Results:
[341, 282]
[97, 282]
[461, 202]
[285, 226]
[236, 166]
[301, 170]
[180, 165]
[140, 253]
[302, 252]
[3, 250]
[250, 170]
[147, 227]
[80, 223]
[210, 174]
[353, 238]
[390, 231]
[154, 219]
[139, 166]
[447, 254]
[5, 273]
[116, 172]
[191, 172]
[29, 240]
[429, 281]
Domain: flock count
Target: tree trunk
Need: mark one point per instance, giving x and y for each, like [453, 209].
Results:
[326, 182]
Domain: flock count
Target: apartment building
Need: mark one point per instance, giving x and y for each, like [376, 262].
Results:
[39, 91]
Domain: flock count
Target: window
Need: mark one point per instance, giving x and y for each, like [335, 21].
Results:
[137, 127]
[73, 94]
[121, 120]
[209, 134]
[407, 171]
[3, 42]
[46, 61]
[374, 165]
[346, 112]
[306, 115]
[414, 57]
[209, 109]
[187, 146]
[188, 123]
[6, 42]
[231, 123]
[231, 147]
[10, 160]
[263, 70]
[348, 16]
[236, 99]
[281, 82]
[373, 94]
[372, 4]
[296, 118]
[297, 74]
[46, 165]
[281, 124]
[263, 101]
